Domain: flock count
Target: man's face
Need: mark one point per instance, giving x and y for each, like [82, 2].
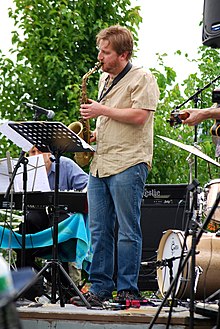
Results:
[110, 59]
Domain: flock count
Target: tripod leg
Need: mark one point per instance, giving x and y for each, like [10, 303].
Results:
[75, 287]
[56, 283]
[60, 290]
[62, 304]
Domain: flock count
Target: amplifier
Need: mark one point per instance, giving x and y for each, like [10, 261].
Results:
[163, 207]
[169, 194]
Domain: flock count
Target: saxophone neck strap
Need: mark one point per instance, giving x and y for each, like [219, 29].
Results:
[115, 81]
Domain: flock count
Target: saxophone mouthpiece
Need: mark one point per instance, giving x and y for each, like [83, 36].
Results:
[98, 65]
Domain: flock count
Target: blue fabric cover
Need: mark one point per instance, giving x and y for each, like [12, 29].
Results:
[73, 239]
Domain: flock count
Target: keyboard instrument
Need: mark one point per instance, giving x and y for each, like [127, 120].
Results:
[69, 201]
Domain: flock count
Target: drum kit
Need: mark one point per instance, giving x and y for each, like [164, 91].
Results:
[175, 244]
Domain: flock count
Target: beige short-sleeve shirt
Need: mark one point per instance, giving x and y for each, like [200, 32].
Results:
[122, 145]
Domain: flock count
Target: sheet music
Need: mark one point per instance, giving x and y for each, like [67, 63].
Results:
[4, 175]
[37, 179]
[36, 173]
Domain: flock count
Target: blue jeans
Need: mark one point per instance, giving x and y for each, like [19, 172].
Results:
[110, 198]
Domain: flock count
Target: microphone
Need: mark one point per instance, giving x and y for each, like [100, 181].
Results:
[154, 264]
[49, 113]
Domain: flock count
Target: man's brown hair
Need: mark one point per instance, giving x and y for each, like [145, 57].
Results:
[119, 37]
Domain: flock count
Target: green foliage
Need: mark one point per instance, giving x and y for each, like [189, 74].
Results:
[171, 164]
[56, 48]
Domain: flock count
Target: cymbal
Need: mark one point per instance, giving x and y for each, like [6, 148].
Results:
[191, 149]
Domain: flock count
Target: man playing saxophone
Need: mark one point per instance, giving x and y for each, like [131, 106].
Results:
[128, 97]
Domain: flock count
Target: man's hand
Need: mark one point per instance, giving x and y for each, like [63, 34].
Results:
[195, 116]
[91, 110]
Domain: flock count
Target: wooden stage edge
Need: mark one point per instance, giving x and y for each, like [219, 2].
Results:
[53, 316]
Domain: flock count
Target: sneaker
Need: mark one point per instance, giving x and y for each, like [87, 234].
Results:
[92, 299]
[126, 295]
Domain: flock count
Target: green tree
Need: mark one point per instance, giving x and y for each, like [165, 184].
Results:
[170, 164]
[56, 48]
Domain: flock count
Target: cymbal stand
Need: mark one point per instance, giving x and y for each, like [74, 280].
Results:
[191, 162]
[183, 262]
[204, 226]
[190, 189]
[194, 228]
[195, 223]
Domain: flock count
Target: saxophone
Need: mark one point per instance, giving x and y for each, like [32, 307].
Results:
[82, 127]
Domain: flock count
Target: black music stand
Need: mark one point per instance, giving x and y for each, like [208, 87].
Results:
[56, 138]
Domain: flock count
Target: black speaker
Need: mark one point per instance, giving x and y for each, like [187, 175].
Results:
[211, 23]
[163, 208]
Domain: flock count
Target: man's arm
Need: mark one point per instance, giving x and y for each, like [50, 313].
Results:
[127, 115]
[198, 115]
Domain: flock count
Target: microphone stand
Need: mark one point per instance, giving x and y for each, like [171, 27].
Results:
[195, 98]
[198, 92]
[22, 160]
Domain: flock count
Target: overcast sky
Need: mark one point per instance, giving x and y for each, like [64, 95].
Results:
[167, 26]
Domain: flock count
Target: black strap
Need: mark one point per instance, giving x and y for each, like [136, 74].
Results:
[116, 80]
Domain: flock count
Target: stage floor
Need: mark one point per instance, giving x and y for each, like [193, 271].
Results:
[53, 316]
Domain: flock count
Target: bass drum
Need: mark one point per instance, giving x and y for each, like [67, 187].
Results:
[207, 264]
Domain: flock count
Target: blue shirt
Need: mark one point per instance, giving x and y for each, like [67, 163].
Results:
[71, 176]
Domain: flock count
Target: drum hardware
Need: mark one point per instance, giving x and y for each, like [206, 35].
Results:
[191, 149]
[201, 203]
[185, 261]
[169, 262]
[191, 162]
[196, 233]
[194, 227]
[160, 263]
[198, 272]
